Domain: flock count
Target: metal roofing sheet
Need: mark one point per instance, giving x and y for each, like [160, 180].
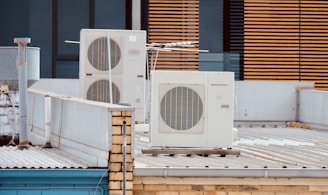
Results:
[283, 149]
[38, 158]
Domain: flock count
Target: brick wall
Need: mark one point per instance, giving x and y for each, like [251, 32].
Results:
[116, 155]
[230, 186]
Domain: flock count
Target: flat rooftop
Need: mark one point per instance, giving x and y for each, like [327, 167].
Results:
[264, 152]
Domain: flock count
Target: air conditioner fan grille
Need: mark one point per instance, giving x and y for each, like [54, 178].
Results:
[98, 54]
[181, 108]
[99, 91]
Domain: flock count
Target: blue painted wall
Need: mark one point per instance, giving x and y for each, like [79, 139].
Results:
[53, 181]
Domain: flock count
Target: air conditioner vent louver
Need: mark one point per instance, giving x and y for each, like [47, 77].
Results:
[181, 108]
[99, 91]
[98, 54]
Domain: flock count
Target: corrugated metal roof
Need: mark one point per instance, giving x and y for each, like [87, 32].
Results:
[278, 150]
[37, 158]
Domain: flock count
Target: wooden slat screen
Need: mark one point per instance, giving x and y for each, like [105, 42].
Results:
[174, 21]
[314, 42]
[286, 40]
[271, 35]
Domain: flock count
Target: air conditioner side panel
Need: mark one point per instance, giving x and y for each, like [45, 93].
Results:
[220, 110]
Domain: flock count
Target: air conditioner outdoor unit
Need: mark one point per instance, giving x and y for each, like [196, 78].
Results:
[192, 109]
[125, 70]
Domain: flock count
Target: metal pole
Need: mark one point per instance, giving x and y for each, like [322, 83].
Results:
[22, 87]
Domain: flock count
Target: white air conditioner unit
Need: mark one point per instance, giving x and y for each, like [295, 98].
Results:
[126, 71]
[192, 109]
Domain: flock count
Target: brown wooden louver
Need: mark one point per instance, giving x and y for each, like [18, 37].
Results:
[286, 40]
[174, 21]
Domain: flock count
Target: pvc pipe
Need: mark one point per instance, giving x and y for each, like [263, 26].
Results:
[47, 118]
[22, 87]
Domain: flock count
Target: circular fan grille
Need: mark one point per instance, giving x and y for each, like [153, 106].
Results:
[98, 54]
[181, 108]
[99, 91]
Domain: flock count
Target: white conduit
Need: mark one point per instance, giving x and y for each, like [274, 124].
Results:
[47, 118]
[22, 87]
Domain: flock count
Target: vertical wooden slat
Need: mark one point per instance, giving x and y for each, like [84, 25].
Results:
[174, 21]
[314, 42]
[271, 39]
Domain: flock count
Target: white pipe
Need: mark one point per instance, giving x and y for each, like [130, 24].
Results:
[22, 87]
[47, 118]
[124, 157]
[109, 68]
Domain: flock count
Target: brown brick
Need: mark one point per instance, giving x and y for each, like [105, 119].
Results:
[209, 187]
[128, 130]
[117, 139]
[119, 158]
[320, 188]
[156, 187]
[126, 113]
[118, 120]
[239, 193]
[310, 193]
[273, 188]
[232, 188]
[297, 188]
[191, 193]
[137, 187]
[116, 113]
[179, 187]
[115, 185]
[166, 193]
[129, 192]
[129, 166]
[129, 158]
[116, 158]
[144, 193]
[250, 188]
[128, 185]
[115, 192]
[128, 139]
[286, 193]
[115, 167]
[115, 176]
[129, 176]
[263, 193]
[118, 176]
[116, 149]
[119, 192]
[117, 130]
[128, 148]
[197, 188]
[215, 193]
